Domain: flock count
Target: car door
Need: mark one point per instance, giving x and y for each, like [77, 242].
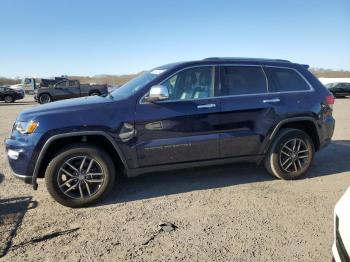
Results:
[248, 110]
[347, 88]
[73, 89]
[183, 128]
[60, 90]
[67, 89]
[2, 91]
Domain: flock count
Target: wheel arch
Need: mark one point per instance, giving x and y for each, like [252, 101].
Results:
[306, 124]
[94, 91]
[57, 142]
[45, 93]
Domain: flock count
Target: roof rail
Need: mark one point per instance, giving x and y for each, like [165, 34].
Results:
[247, 59]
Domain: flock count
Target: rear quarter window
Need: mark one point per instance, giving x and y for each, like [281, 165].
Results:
[285, 80]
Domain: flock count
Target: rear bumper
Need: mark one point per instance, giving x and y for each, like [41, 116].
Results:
[326, 131]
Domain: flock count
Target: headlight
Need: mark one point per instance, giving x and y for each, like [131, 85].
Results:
[26, 127]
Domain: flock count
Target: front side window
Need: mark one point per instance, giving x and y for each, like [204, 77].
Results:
[72, 83]
[189, 84]
[62, 84]
[285, 80]
[242, 80]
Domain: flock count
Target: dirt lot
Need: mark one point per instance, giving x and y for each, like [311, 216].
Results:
[235, 212]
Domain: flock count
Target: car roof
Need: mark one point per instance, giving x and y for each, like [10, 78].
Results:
[245, 59]
[232, 60]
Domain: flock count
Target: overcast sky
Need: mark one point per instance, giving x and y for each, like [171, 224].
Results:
[48, 38]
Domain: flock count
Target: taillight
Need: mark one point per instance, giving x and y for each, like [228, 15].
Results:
[330, 101]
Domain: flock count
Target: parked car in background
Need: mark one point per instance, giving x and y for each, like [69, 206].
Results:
[10, 95]
[181, 115]
[339, 89]
[341, 245]
[68, 89]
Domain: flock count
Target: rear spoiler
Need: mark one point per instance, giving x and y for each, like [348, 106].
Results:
[305, 66]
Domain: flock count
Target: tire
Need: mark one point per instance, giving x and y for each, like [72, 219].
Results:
[94, 93]
[279, 164]
[9, 99]
[80, 189]
[44, 99]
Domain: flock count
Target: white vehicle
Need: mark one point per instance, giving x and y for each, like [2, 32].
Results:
[341, 245]
[28, 85]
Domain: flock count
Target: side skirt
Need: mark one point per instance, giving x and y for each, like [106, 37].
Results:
[150, 169]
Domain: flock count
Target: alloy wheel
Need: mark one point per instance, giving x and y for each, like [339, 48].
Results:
[8, 99]
[294, 155]
[80, 177]
[45, 99]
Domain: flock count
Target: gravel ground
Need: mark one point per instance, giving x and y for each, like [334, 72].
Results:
[233, 212]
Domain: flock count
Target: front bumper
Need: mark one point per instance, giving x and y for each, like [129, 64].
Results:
[25, 179]
[21, 155]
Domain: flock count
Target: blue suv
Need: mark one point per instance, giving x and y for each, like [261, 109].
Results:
[212, 111]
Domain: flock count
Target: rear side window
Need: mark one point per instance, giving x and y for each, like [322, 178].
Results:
[285, 79]
[242, 80]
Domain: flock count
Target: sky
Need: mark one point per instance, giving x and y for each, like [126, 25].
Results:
[48, 38]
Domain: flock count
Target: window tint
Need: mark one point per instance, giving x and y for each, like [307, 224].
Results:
[62, 84]
[241, 80]
[2, 89]
[284, 79]
[193, 83]
[73, 83]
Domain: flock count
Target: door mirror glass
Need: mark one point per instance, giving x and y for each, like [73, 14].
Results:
[157, 93]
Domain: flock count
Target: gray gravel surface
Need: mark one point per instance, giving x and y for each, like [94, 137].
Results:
[227, 213]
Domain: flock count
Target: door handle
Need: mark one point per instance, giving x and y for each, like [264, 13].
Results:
[273, 100]
[206, 106]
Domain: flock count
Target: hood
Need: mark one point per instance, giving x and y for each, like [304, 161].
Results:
[72, 106]
[17, 87]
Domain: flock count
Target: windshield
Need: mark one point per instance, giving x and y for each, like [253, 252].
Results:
[134, 84]
[140, 81]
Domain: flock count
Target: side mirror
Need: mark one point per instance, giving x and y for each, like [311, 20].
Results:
[157, 93]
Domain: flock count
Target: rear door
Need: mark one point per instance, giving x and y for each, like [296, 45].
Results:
[183, 128]
[248, 110]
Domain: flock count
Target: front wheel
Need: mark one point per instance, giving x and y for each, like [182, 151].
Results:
[44, 98]
[80, 175]
[290, 155]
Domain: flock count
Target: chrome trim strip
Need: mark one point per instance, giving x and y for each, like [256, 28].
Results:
[228, 96]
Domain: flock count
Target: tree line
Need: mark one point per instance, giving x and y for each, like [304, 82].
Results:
[118, 80]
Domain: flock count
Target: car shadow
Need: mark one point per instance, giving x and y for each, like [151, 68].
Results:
[12, 212]
[329, 161]
[19, 103]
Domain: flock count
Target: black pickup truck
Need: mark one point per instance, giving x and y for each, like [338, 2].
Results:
[68, 89]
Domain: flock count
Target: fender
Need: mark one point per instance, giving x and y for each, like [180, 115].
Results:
[269, 138]
[72, 134]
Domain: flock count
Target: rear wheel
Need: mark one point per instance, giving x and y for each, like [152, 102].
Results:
[9, 99]
[94, 93]
[45, 98]
[290, 155]
[80, 175]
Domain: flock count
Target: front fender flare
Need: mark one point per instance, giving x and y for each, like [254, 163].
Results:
[71, 134]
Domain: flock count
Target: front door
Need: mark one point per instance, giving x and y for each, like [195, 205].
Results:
[183, 128]
[67, 89]
[248, 110]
